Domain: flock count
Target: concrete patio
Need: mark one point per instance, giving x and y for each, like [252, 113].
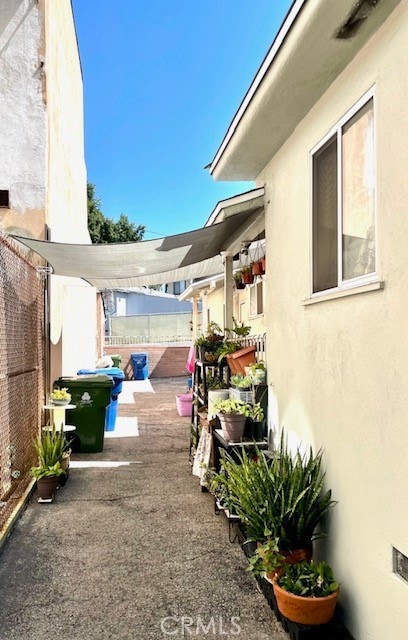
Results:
[131, 549]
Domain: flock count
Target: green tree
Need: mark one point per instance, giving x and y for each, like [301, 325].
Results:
[103, 230]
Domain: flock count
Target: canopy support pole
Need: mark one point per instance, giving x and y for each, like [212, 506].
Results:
[228, 291]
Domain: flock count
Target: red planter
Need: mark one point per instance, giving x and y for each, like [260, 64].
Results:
[257, 268]
[263, 264]
[240, 359]
[247, 277]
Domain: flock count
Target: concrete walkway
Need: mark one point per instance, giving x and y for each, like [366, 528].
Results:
[131, 549]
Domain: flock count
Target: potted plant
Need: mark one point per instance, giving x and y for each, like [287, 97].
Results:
[247, 275]
[238, 280]
[47, 480]
[256, 422]
[217, 390]
[306, 592]
[238, 360]
[239, 381]
[281, 498]
[209, 343]
[257, 372]
[257, 269]
[232, 417]
[60, 396]
[50, 448]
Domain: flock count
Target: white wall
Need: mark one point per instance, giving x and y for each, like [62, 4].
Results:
[22, 117]
[73, 302]
[339, 368]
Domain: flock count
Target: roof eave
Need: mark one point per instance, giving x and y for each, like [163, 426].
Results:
[305, 58]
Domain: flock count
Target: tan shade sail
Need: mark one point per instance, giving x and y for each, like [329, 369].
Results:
[185, 256]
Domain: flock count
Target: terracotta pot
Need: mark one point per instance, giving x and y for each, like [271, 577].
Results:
[247, 277]
[257, 268]
[263, 264]
[240, 359]
[305, 610]
[294, 556]
[47, 487]
[232, 426]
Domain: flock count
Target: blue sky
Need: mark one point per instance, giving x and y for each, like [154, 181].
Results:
[162, 81]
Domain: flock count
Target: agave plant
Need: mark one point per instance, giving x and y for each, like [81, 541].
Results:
[280, 498]
[50, 446]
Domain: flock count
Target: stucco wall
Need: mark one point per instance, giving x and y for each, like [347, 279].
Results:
[73, 302]
[22, 117]
[215, 301]
[339, 368]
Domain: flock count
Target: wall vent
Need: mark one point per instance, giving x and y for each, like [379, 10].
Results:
[4, 198]
[356, 19]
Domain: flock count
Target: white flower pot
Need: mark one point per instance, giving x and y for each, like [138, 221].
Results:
[214, 395]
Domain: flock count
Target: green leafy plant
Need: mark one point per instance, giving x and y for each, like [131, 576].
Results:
[226, 348]
[281, 497]
[46, 471]
[231, 406]
[60, 394]
[50, 446]
[267, 559]
[309, 579]
[241, 382]
[218, 486]
[215, 382]
[255, 412]
[239, 328]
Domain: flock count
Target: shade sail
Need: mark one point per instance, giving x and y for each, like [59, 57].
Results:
[185, 256]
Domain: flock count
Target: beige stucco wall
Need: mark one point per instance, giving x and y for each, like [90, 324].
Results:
[339, 368]
[73, 302]
[215, 303]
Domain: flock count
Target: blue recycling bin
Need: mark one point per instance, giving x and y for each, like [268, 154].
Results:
[117, 376]
[140, 364]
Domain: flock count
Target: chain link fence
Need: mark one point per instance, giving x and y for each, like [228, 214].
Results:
[21, 370]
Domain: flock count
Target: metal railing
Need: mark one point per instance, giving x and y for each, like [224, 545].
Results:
[258, 341]
[122, 341]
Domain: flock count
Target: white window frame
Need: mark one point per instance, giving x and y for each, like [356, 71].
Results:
[336, 130]
[251, 288]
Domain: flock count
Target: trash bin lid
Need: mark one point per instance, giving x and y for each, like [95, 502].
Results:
[94, 380]
[115, 372]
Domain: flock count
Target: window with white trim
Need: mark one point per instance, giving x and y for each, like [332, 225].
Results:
[343, 169]
[256, 299]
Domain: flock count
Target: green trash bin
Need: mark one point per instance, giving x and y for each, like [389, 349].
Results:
[117, 360]
[91, 395]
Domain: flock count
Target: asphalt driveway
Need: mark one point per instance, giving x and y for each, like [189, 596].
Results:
[131, 549]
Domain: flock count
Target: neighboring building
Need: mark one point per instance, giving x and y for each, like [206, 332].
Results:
[325, 123]
[216, 296]
[139, 301]
[42, 174]
[47, 323]
[146, 315]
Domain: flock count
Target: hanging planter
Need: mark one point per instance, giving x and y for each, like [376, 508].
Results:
[238, 280]
[247, 276]
[263, 261]
[257, 268]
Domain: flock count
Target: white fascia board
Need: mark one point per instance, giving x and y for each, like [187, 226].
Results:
[273, 51]
[194, 288]
[234, 204]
